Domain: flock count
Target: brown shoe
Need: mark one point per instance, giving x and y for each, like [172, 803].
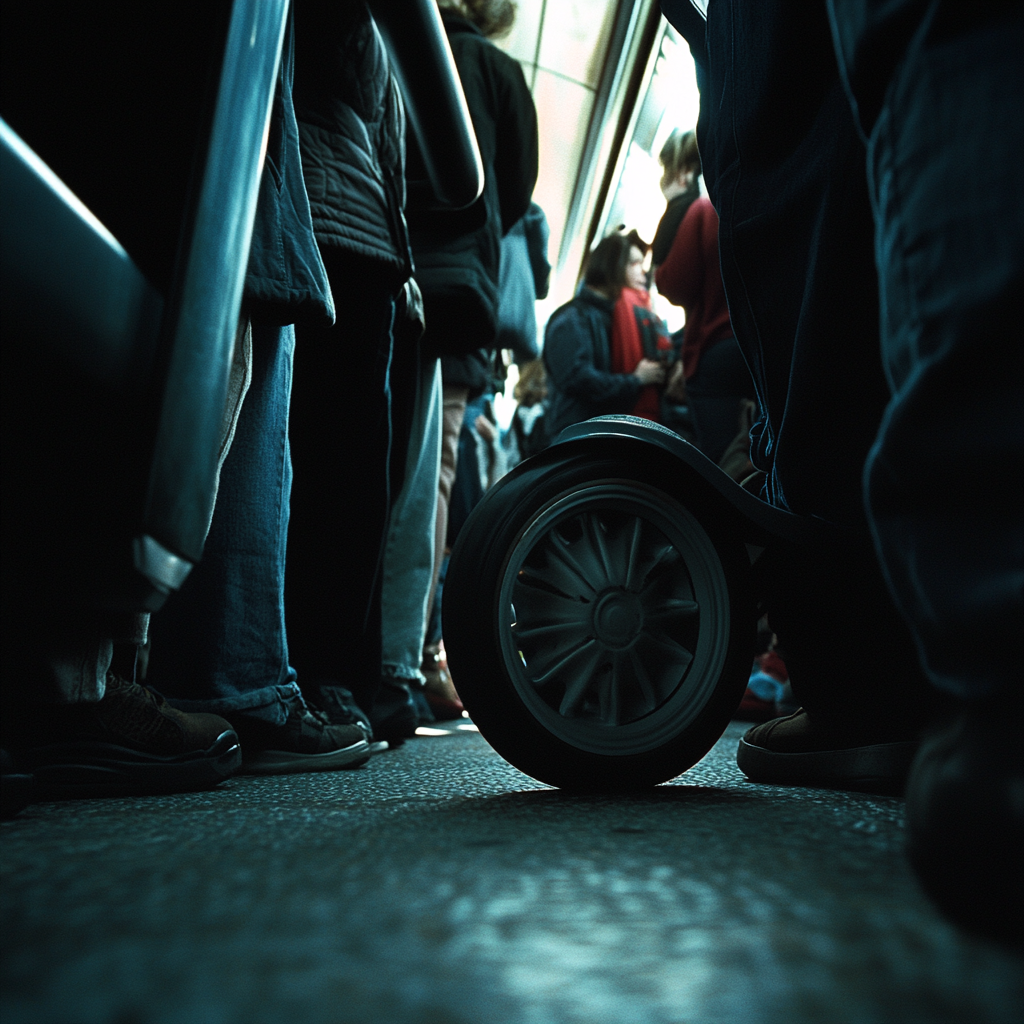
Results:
[803, 750]
[438, 688]
[130, 742]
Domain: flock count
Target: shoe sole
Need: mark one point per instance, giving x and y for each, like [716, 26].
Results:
[881, 766]
[285, 762]
[91, 769]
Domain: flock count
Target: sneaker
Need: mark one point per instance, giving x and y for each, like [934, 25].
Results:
[804, 751]
[305, 742]
[131, 742]
[340, 707]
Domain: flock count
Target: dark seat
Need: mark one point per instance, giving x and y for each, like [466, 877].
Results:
[113, 389]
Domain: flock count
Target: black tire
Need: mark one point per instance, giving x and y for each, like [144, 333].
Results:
[598, 617]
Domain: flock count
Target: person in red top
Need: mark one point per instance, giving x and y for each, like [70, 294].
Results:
[717, 378]
[636, 330]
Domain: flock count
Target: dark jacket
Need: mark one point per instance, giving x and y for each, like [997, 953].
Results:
[285, 280]
[577, 356]
[352, 128]
[458, 253]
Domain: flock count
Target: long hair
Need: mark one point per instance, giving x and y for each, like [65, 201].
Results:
[679, 154]
[607, 262]
[493, 17]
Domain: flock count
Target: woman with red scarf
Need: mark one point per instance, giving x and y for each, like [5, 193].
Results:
[637, 333]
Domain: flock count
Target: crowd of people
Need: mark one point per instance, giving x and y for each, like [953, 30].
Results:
[300, 640]
[841, 314]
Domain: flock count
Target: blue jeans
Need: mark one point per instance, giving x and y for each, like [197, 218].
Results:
[716, 391]
[409, 553]
[219, 645]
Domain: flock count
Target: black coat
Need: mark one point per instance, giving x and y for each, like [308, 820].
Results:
[578, 359]
[352, 129]
[458, 253]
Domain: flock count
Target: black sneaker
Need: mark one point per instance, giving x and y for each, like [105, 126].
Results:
[340, 707]
[305, 742]
[802, 750]
[131, 742]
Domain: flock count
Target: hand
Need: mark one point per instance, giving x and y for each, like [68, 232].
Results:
[675, 390]
[649, 372]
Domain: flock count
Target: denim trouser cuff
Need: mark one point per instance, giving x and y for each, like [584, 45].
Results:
[410, 674]
[270, 704]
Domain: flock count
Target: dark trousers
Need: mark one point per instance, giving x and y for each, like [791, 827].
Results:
[716, 392]
[340, 432]
[927, 397]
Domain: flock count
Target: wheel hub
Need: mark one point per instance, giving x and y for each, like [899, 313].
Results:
[618, 618]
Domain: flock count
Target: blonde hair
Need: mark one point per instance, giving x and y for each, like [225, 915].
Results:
[493, 17]
[679, 154]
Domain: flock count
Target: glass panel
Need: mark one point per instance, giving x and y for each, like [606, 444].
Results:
[670, 102]
[575, 38]
[563, 112]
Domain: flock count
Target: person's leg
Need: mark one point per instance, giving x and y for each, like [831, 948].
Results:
[220, 645]
[804, 310]
[716, 392]
[453, 412]
[409, 558]
[81, 726]
[944, 478]
[340, 433]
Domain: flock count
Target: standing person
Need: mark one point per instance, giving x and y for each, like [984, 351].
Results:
[637, 333]
[680, 187]
[716, 377]
[457, 258]
[223, 645]
[877, 301]
[578, 347]
[352, 130]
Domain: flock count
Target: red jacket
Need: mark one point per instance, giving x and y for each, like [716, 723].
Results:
[691, 277]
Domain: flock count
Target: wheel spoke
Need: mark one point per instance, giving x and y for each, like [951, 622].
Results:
[577, 687]
[537, 579]
[585, 652]
[564, 564]
[594, 528]
[633, 561]
[549, 629]
[535, 603]
[646, 686]
[671, 610]
[682, 655]
[665, 559]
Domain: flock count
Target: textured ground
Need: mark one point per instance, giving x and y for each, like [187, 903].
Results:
[438, 885]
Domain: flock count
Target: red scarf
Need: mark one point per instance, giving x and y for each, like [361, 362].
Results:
[632, 308]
